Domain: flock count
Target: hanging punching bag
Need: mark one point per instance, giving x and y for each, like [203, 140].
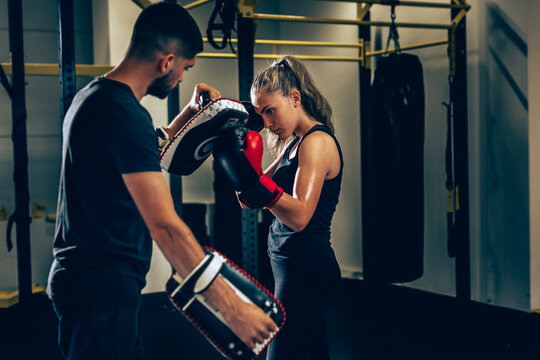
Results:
[394, 241]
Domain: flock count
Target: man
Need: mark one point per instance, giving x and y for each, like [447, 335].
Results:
[113, 199]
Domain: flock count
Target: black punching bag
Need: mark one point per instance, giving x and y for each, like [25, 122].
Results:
[393, 245]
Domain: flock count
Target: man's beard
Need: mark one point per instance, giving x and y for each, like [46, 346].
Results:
[161, 87]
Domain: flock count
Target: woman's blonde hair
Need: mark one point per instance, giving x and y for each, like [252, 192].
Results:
[283, 75]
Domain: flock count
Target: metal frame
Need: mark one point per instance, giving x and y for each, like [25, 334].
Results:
[246, 49]
[246, 41]
[458, 97]
[364, 72]
[66, 54]
[175, 181]
[21, 216]
[145, 3]
[296, 18]
[454, 5]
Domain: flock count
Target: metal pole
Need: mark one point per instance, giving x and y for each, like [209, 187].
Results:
[364, 70]
[66, 54]
[20, 153]
[175, 181]
[246, 49]
[458, 96]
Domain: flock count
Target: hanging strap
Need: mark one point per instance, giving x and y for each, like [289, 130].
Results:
[226, 9]
[11, 221]
[393, 33]
[21, 117]
[5, 82]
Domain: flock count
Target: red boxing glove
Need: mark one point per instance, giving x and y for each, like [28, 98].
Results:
[239, 151]
[253, 148]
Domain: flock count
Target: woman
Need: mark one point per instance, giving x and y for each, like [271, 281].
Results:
[309, 170]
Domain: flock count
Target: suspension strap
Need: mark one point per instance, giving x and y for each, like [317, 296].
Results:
[393, 32]
[226, 9]
[5, 82]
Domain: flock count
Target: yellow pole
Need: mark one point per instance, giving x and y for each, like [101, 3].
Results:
[409, 47]
[52, 69]
[295, 42]
[411, 3]
[142, 3]
[195, 4]
[296, 18]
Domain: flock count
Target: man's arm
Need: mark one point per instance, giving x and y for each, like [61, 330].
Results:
[175, 239]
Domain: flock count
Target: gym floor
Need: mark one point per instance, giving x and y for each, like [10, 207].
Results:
[368, 322]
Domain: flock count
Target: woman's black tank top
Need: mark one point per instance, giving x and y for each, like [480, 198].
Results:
[283, 242]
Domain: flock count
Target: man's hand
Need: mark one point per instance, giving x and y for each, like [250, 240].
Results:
[199, 89]
[191, 108]
[250, 324]
[246, 320]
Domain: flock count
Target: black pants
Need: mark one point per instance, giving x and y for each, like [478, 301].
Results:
[90, 333]
[306, 289]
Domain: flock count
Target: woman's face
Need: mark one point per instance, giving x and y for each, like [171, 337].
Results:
[277, 112]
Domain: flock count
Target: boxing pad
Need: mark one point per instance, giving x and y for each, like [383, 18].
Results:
[194, 142]
[186, 294]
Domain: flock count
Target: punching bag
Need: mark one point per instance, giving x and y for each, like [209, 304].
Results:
[393, 244]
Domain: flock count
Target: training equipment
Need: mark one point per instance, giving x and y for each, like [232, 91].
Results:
[393, 243]
[239, 152]
[187, 296]
[194, 142]
[163, 137]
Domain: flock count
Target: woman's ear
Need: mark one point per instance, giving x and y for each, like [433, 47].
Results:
[295, 97]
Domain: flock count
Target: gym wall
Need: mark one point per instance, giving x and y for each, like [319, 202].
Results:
[499, 135]
[503, 139]
[534, 153]
[43, 128]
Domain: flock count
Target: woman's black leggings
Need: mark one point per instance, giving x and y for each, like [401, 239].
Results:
[306, 288]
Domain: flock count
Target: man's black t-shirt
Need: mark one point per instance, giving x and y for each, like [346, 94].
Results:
[102, 247]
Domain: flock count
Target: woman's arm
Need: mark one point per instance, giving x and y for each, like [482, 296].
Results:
[318, 160]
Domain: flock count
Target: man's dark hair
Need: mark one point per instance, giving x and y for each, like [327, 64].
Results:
[165, 27]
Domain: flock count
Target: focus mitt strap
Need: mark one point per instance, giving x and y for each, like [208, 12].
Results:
[194, 142]
[163, 137]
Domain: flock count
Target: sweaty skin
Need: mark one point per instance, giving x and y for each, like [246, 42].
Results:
[318, 159]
